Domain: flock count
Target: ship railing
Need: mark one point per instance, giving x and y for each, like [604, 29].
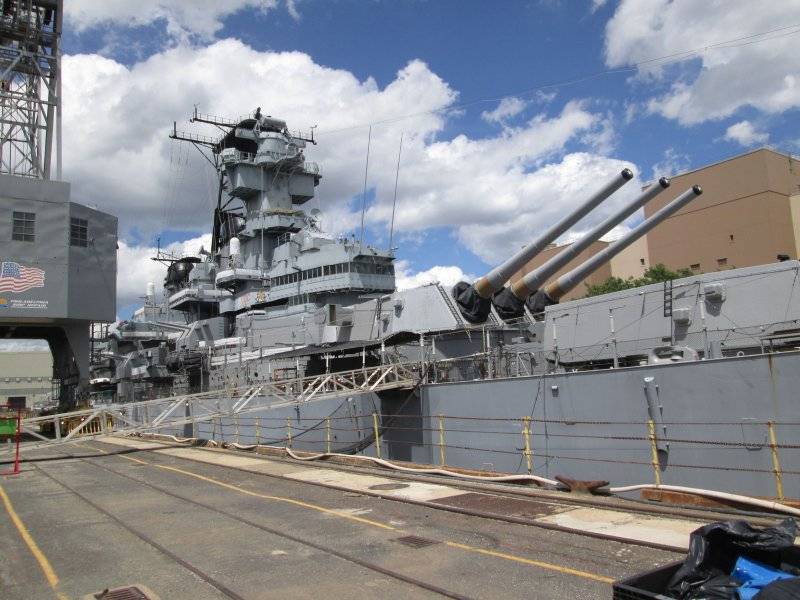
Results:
[747, 459]
[175, 412]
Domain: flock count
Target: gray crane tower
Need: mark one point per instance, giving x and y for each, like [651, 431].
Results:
[58, 259]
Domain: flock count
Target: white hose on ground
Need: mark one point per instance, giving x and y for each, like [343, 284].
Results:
[434, 471]
[768, 504]
[747, 500]
[177, 439]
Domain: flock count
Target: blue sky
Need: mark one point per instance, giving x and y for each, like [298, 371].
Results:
[476, 181]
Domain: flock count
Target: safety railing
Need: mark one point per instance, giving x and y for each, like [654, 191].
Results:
[610, 449]
[190, 409]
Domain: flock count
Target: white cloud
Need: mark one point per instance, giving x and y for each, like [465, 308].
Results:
[494, 192]
[291, 8]
[183, 19]
[116, 148]
[672, 163]
[508, 107]
[761, 74]
[135, 269]
[543, 197]
[448, 275]
[597, 5]
[745, 133]
[24, 346]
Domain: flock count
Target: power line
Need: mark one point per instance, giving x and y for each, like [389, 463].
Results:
[746, 40]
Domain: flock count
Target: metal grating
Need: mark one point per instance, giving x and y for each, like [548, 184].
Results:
[124, 593]
[501, 505]
[414, 541]
[389, 486]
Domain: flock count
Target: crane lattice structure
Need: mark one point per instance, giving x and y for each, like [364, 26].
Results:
[30, 87]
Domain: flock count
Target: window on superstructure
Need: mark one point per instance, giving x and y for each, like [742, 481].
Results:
[24, 226]
[78, 232]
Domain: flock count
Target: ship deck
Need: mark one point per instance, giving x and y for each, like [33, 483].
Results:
[198, 523]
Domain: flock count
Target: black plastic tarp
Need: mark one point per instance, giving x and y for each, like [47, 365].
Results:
[713, 551]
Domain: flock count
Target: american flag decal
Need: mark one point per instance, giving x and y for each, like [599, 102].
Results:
[16, 278]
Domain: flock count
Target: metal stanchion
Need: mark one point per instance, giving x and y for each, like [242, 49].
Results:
[377, 435]
[651, 427]
[526, 434]
[776, 463]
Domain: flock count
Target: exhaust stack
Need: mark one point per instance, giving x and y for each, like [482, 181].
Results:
[474, 300]
[510, 302]
[564, 284]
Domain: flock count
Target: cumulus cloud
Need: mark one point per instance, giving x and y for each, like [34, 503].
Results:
[448, 275]
[135, 267]
[508, 108]
[724, 77]
[495, 192]
[183, 20]
[117, 120]
[746, 134]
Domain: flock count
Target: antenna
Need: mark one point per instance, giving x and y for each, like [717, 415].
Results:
[364, 196]
[394, 200]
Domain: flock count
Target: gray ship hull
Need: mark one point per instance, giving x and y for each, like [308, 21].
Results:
[710, 419]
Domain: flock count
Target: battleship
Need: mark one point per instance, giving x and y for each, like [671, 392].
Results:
[282, 340]
[687, 383]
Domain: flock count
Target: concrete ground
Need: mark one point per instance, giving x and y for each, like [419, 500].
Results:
[112, 516]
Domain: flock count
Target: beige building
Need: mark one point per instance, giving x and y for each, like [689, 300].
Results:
[748, 215]
[26, 377]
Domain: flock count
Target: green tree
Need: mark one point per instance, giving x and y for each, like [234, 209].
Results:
[655, 274]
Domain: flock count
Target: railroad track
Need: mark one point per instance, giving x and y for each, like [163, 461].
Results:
[219, 586]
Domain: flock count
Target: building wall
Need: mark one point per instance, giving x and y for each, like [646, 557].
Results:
[26, 374]
[79, 281]
[749, 213]
[633, 261]
[744, 217]
[598, 276]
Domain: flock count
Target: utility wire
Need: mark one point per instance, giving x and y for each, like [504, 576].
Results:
[746, 40]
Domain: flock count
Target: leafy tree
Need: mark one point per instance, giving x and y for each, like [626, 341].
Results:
[655, 274]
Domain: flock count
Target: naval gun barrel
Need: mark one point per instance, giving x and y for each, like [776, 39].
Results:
[555, 290]
[474, 300]
[497, 277]
[536, 278]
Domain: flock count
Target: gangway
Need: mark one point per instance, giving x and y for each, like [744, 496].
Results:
[176, 411]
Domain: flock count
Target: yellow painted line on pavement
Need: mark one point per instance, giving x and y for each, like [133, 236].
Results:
[502, 555]
[535, 563]
[45, 565]
[241, 490]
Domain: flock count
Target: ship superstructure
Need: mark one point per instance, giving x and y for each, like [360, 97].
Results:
[281, 322]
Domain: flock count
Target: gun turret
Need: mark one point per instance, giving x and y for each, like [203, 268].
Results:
[474, 301]
[510, 302]
[556, 290]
